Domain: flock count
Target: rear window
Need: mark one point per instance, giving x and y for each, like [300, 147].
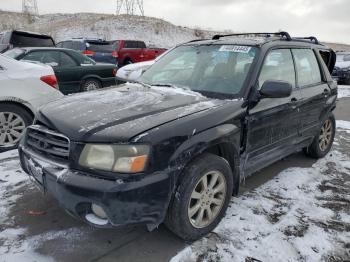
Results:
[28, 40]
[105, 47]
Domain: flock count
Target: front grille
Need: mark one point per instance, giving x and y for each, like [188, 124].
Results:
[47, 143]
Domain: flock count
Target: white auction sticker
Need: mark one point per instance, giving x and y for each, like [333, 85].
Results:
[235, 48]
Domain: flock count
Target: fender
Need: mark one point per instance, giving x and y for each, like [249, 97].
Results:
[91, 76]
[227, 136]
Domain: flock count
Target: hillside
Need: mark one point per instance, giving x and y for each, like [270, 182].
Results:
[153, 31]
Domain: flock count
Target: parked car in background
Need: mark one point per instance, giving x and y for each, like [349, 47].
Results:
[97, 49]
[75, 72]
[341, 72]
[132, 72]
[175, 146]
[15, 38]
[130, 51]
[24, 87]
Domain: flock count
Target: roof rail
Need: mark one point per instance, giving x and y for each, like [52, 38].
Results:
[311, 38]
[282, 34]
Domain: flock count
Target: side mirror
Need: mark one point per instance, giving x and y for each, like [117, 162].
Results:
[275, 89]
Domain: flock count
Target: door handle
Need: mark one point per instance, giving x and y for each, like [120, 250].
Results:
[293, 99]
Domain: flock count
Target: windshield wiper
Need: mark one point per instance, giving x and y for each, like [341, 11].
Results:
[163, 85]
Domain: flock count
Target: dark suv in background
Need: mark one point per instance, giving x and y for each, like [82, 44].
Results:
[97, 49]
[175, 146]
[15, 38]
[341, 72]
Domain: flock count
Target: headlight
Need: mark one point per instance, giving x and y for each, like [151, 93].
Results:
[116, 158]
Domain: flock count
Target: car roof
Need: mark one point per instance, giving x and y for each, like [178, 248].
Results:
[260, 39]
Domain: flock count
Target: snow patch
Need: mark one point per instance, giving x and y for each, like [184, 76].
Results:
[343, 91]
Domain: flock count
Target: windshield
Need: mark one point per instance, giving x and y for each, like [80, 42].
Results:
[14, 53]
[216, 69]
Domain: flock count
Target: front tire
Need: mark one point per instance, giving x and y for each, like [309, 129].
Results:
[323, 141]
[202, 197]
[13, 121]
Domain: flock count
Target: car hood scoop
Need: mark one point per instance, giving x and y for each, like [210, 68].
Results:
[121, 113]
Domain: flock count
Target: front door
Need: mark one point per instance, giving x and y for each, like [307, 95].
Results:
[273, 124]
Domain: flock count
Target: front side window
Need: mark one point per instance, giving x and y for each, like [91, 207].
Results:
[278, 66]
[308, 70]
[208, 69]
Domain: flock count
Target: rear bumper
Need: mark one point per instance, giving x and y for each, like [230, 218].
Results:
[143, 201]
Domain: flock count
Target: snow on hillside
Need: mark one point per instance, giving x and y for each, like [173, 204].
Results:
[153, 31]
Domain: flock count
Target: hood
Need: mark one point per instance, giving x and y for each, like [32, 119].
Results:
[342, 64]
[120, 113]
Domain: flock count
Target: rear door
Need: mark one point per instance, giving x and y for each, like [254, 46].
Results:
[314, 88]
[273, 124]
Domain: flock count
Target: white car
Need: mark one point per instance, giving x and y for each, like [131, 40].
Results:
[24, 87]
[133, 71]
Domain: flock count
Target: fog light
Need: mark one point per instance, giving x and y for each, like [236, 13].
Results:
[98, 211]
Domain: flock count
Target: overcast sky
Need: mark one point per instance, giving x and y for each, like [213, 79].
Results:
[329, 20]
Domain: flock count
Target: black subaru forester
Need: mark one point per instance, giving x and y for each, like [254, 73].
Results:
[174, 146]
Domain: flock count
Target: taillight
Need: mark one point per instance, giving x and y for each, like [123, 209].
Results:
[88, 53]
[115, 71]
[51, 80]
[115, 54]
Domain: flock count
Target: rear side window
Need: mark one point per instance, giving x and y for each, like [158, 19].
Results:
[66, 60]
[308, 69]
[278, 65]
[27, 40]
[131, 44]
[141, 45]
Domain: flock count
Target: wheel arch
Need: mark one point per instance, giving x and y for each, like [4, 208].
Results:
[223, 141]
[20, 103]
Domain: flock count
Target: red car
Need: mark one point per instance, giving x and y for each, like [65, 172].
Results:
[131, 51]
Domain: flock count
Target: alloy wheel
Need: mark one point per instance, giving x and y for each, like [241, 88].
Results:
[91, 86]
[12, 127]
[207, 199]
[325, 137]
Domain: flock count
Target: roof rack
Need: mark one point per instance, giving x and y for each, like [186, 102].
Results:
[282, 34]
[311, 38]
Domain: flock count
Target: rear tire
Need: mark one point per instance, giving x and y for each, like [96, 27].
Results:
[196, 209]
[323, 141]
[91, 84]
[13, 121]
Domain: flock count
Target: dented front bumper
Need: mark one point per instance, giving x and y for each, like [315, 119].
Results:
[142, 201]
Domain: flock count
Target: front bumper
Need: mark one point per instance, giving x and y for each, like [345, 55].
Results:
[142, 201]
